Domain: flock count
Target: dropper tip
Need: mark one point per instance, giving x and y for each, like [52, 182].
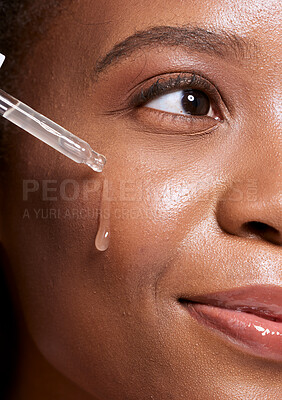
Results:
[96, 162]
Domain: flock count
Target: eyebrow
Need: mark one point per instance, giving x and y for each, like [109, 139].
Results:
[220, 43]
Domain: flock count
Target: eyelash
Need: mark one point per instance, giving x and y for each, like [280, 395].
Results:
[164, 86]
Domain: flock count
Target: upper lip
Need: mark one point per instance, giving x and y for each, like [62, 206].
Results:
[263, 301]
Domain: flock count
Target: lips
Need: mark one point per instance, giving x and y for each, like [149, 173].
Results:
[250, 318]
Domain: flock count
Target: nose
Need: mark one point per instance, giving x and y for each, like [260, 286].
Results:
[252, 209]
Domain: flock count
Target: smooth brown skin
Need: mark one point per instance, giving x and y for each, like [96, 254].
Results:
[108, 325]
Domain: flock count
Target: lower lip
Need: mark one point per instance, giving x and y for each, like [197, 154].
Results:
[254, 335]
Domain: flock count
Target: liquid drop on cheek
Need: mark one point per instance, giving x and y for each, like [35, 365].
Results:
[102, 239]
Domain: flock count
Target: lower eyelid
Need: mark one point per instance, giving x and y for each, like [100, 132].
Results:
[167, 123]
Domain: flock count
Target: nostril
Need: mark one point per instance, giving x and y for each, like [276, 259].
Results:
[260, 227]
[263, 230]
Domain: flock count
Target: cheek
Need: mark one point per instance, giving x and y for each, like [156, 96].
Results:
[68, 289]
[54, 217]
[74, 296]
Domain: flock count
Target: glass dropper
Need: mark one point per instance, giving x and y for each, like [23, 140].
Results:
[48, 131]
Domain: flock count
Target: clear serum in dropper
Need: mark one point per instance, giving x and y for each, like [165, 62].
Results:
[48, 131]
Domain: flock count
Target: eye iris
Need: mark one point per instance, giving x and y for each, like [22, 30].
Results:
[195, 102]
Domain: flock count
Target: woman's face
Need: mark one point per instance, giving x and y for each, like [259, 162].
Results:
[193, 203]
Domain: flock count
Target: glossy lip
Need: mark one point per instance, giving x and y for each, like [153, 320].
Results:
[250, 318]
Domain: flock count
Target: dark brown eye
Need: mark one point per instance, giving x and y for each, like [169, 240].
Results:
[195, 102]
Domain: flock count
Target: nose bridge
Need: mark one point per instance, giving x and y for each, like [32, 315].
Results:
[265, 164]
[265, 94]
[265, 160]
[265, 124]
[261, 152]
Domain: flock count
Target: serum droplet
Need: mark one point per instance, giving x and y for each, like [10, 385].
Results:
[102, 239]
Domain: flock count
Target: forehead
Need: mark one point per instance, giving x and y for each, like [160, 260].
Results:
[98, 26]
[245, 16]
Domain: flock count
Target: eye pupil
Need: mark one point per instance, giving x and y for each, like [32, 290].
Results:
[195, 102]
